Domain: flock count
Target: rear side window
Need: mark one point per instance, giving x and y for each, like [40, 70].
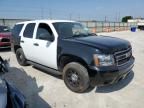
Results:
[17, 29]
[28, 32]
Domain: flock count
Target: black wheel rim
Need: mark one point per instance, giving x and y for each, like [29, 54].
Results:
[73, 78]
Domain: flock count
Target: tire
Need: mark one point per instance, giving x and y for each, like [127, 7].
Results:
[21, 57]
[76, 77]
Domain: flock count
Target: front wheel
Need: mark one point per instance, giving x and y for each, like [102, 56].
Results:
[21, 57]
[76, 77]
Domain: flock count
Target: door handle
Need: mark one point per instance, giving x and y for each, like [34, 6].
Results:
[36, 44]
[22, 41]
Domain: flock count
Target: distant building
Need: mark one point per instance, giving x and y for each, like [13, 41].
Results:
[138, 21]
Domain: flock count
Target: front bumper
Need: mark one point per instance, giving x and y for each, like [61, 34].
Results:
[111, 74]
[5, 44]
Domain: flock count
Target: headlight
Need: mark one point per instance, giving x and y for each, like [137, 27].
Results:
[103, 60]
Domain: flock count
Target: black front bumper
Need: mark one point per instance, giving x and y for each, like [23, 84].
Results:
[111, 74]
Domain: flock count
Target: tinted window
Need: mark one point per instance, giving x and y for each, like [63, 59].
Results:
[28, 32]
[43, 31]
[4, 29]
[17, 29]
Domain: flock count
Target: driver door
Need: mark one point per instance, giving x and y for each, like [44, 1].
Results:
[45, 48]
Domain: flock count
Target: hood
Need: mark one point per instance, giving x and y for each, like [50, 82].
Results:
[105, 43]
[8, 34]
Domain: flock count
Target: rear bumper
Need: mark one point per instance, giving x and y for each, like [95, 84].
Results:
[112, 74]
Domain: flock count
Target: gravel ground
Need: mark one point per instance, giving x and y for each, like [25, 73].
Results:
[43, 90]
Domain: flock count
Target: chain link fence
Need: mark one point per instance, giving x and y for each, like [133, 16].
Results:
[11, 22]
[101, 26]
[94, 26]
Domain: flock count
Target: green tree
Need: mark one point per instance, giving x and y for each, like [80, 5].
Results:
[126, 18]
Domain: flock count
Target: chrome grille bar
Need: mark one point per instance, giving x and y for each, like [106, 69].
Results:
[122, 57]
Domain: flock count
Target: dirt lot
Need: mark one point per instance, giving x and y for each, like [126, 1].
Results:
[43, 90]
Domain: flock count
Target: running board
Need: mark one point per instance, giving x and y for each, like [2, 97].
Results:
[49, 70]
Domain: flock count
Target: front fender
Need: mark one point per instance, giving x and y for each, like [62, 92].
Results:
[77, 53]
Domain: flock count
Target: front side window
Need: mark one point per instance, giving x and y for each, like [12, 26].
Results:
[43, 32]
[71, 29]
[28, 32]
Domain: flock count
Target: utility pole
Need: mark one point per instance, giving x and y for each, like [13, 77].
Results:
[42, 13]
[105, 18]
[70, 16]
[119, 17]
[116, 18]
[79, 17]
[50, 14]
[3, 20]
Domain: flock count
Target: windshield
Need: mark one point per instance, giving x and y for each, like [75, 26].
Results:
[71, 29]
[4, 29]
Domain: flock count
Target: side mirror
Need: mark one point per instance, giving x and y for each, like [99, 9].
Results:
[46, 36]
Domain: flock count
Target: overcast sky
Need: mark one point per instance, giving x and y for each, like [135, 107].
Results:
[111, 10]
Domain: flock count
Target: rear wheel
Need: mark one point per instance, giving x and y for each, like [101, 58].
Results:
[21, 57]
[76, 77]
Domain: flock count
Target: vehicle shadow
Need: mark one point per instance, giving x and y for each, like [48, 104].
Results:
[117, 86]
[27, 85]
[5, 49]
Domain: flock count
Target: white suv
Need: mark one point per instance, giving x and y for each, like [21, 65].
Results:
[68, 48]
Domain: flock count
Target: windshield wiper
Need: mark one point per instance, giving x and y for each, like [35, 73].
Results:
[84, 35]
[92, 34]
[81, 35]
[74, 36]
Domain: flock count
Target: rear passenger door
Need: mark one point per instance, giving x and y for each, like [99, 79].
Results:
[27, 40]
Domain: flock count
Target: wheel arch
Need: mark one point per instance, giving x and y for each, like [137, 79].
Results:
[16, 47]
[67, 58]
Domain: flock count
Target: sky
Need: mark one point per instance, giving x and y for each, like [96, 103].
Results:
[100, 10]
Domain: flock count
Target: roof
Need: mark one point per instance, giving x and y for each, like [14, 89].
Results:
[141, 24]
[49, 21]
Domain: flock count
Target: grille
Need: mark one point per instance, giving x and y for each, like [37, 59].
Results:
[5, 40]
[122, 57]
